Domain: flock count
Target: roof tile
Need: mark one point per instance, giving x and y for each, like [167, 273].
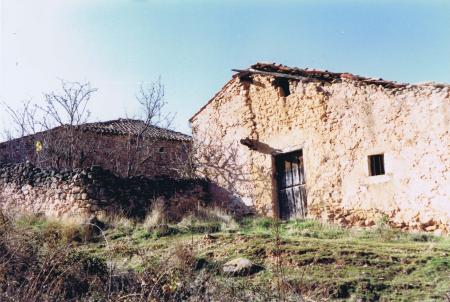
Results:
[133, 127]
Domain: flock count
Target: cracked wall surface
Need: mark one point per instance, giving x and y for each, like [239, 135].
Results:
[337, 125]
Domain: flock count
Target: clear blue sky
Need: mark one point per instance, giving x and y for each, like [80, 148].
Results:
[193, 45]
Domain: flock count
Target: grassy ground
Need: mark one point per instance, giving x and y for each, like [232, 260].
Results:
[302, 259]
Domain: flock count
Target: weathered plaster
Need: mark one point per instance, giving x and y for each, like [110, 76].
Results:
[338, 125]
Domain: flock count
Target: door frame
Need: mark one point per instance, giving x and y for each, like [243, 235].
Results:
[275, 178]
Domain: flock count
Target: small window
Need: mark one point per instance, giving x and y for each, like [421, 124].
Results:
[162, 153]
[283, 85]
[376, 164]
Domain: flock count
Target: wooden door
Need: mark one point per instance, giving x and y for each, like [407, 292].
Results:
[291, 185]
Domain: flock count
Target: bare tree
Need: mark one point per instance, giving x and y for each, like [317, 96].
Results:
[213, 159]
[69, 107]
[7, 135]
[151, 97]
[23, 121]
[65, 110]
[23, 118]
[221, 163]
[142, 146]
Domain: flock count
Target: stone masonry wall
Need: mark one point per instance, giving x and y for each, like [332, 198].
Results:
[106, 150]
[338, 125]
[25, 188]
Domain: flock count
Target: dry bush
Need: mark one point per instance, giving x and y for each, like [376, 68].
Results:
[123, 248]
[184, 257]
[68, 230]
[227, 221]
[41, 266]
[209, 219]
[118, 221]
[156, 215]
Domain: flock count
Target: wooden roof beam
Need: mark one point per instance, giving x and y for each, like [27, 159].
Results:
[275, 74]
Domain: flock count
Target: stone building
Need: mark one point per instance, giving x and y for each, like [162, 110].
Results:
[126, 147]
[309, 143]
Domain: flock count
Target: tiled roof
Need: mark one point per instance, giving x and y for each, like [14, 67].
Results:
[133, 127]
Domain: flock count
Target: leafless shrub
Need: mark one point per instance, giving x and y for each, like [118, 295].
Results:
[212, 215]
[118, 221]
[151, 97]
[232, 180]
[156, 215]
[184, 257]
[142, 146]
[68, 107]
[41, 267]
[123, 248]
[66, 110]
[23, 121]
[24, 118]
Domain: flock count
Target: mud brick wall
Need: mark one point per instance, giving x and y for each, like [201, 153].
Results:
[337, 125]
[25, 188]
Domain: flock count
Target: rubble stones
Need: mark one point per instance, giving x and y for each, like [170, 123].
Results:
[28, 189]
[240, 267]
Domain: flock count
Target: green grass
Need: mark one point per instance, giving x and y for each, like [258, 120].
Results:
[321, 261]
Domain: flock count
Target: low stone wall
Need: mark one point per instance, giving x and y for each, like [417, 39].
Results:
[371, 217]
[25, 188]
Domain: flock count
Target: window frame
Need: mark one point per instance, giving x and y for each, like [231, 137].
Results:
[376, 163]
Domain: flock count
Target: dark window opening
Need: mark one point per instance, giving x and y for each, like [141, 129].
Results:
[283, 84]
[246, 78]
[376, 164]
[161, 150]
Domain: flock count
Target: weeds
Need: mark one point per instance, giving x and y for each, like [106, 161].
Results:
[156, 216]
[45, 260]
[206, 220]
[279, 268]
[119, 222]
[41, 265]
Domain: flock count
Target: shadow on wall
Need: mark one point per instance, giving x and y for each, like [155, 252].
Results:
[256, 145]
[225, 199]
[233, 178]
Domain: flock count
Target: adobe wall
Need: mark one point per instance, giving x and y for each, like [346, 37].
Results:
[93, 191]
[338, 125]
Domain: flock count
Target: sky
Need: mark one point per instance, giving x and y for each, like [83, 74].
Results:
[193, 45]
